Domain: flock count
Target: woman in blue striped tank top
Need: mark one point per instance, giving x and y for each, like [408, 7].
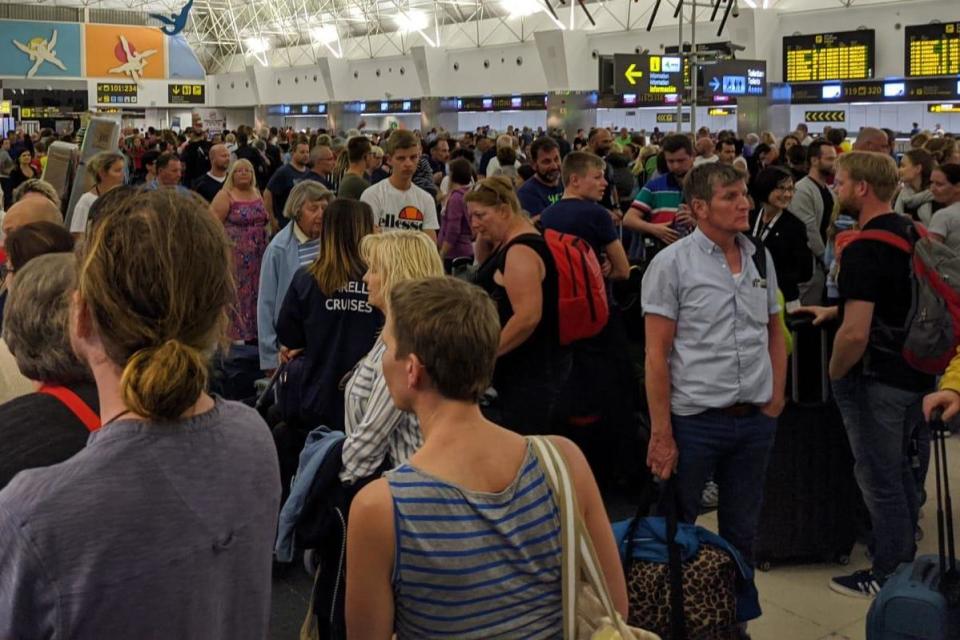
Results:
[463, 541]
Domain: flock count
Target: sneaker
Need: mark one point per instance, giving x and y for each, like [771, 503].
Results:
[859, 584]
[710, 497]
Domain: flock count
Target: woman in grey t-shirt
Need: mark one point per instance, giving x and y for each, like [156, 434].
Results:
[163, 525]
[945, 186]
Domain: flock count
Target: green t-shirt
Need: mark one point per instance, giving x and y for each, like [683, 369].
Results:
[351, 186]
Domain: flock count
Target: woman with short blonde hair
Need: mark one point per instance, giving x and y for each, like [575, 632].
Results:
[239, 206]
[105, 171]
[375, 428]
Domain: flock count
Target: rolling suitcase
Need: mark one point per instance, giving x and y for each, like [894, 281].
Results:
[922, 598]
[811, 497]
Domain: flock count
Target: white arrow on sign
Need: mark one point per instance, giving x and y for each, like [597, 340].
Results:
[715, 84]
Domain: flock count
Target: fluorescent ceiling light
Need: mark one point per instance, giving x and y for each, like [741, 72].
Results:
[751, 4]
[326, 34]
[412, 20]
[522, 8]
[257, 45]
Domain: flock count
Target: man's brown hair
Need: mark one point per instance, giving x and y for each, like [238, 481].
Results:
[453, 328]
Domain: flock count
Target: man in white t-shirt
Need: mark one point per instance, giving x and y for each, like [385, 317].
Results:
[397, 203]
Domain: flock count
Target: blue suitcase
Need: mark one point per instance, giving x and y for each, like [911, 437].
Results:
[921, 600]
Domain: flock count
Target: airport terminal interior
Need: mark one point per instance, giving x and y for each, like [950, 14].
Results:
[476, 319]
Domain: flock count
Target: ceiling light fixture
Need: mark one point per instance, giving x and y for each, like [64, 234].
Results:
[415, 20]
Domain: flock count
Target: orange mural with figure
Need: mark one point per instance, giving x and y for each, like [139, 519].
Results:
[125, 53]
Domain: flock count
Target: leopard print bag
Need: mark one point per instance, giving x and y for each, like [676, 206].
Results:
[709, 596]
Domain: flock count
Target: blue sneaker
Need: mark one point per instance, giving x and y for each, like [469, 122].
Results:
[859, 584]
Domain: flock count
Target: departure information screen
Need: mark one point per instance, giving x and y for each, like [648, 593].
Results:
[847, 55]
[933, 49]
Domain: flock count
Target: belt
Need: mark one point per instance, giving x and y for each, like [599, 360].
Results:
[739, 410]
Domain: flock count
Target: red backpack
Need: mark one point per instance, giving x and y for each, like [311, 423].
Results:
[932, 330]
[582, 293]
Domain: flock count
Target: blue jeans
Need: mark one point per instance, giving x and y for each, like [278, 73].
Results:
[879, 420]
[734, 451]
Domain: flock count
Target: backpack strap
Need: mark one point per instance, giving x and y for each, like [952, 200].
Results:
[886, 237]
[759, 256]
[74, 403]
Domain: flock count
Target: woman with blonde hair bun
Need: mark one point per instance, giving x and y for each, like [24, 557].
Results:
[163, 525]
[375, 428]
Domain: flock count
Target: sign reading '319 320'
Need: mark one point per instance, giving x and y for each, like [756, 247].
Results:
[186, 94]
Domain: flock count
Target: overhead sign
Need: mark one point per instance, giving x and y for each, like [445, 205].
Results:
[532, 102]
[825, 116]
[647, 75]
[6, 107]
[932, 49]
[846, 55]
[951, 107]
[32, 113]
[116, 93]
[911, 89]
[186, 94]
[720, 112]
[671, 117]
[735, 78]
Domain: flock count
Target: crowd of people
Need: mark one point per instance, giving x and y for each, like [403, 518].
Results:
[139, 324]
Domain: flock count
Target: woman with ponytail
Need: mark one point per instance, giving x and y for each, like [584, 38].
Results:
[163, 526]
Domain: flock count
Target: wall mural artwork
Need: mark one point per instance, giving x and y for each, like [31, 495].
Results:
[133, 53]
[39, 49]
[134, 62]
[176, 22]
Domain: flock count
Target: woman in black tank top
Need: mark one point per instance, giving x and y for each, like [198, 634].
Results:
[521, 278]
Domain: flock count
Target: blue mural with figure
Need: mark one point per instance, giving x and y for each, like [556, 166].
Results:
[40, 49]
[183, 63]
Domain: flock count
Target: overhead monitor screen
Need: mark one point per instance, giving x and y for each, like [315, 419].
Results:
[831, 91]
[894, 89]
[932, 49]
[847, 55]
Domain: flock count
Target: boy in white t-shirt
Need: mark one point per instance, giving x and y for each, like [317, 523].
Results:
[397, 203]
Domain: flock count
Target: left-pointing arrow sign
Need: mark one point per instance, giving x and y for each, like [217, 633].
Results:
[631, 74]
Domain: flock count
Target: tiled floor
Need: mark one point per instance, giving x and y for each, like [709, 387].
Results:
[797, 603]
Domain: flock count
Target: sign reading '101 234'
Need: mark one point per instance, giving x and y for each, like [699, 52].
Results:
[186, 94]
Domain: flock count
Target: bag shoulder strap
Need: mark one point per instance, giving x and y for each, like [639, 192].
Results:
[759, 256]
[74, 403]
[886, 237]
[578, 551]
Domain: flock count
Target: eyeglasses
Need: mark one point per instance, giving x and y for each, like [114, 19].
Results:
[790, 189]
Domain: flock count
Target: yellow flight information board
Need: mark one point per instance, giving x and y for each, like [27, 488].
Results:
[932, 49]
[847, 55]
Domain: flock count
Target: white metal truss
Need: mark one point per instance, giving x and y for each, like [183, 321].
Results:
[300, 32]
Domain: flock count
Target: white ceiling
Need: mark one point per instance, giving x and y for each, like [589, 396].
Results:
[220, 29]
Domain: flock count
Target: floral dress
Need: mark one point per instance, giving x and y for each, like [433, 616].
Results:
[246, 227]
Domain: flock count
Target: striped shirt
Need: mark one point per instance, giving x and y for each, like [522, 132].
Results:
[473, 565]
[307, 249]
[659, 199]
[374, 426]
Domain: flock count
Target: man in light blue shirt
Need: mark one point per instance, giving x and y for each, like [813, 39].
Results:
[169, 172]
[716, 357]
